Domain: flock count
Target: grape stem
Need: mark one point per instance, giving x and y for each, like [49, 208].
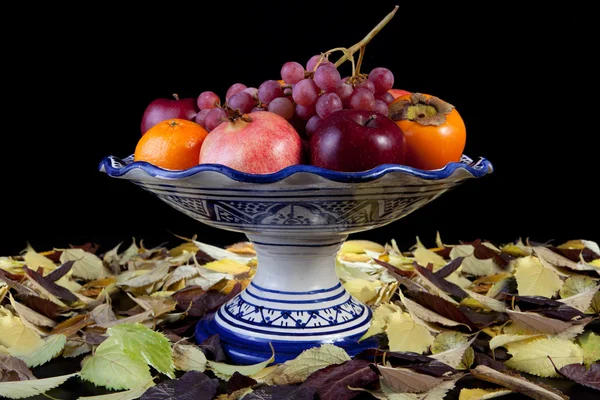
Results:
[348, 53]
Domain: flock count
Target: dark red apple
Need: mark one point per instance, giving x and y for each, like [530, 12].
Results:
[356, 140]
[163, 109]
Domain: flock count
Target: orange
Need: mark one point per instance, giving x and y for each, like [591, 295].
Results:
[172, 144]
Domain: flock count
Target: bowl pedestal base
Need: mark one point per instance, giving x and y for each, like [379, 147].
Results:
[294, 302]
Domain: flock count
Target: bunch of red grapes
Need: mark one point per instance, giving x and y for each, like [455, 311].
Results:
[304, 96]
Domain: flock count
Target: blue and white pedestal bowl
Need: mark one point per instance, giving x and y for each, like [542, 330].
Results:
[297, 220]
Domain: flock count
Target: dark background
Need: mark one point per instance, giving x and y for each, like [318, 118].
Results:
[80, 78]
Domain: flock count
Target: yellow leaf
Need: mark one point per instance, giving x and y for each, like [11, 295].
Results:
[380, 319]
[187, 246]
[424, 256]
[472, 265]
[35, 260]
[406, 335]
[503, 340]
[517, 249]
[362, 289]
[590, 344]
[533, 279]
[595, 263]
[227, 266]
[16, 337]
[481, 394]
[359, 246]
[532, 356]
[572, 244]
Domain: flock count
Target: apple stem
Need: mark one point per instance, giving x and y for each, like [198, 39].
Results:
[349, 52]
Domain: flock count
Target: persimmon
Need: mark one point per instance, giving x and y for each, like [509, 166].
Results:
[434, 132]
[172, 144]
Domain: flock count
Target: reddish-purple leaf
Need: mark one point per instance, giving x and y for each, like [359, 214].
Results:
[582, 375]
[212, 348]
[391, 268]
[448, 287]
[206, 302]
[562, 312]
[414, 361]
[576, 255]
[449, 268]
[193, 385]
[282, 392]
[13, 284]
[548, 307]
[42, 306]
[484, 318]
[60, 271]
[482, 252]
[239, 381]
[484, 359]
[443, 252]
[13, 369]
[184, 327]
[58, 291]
[203, 258]
[442, 307]
[88, 247]
[187, 295]
[332, 382]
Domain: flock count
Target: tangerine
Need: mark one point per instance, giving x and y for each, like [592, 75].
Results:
[171, 144]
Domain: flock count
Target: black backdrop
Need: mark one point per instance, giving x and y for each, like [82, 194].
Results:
[81, 78]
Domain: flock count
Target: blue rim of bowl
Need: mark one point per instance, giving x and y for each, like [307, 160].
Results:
[477, 169]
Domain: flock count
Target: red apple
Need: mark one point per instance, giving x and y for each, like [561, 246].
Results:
[260, 142]
[356, 140]
[398, 92]
[163, 109]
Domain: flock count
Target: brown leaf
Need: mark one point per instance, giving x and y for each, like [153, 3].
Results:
[404, 380]
[203, 302]
[50, 286]
[449, 268]
[441, 307]
[484, 359]
[103, 314]
[73, 325]
[239, 381]
[517, 383]
[13, 369]
[332, 382]
[43, 306]
[448, 287]
[31, 316]
[539, 323]
[13, 284]
[394, 270]
[212, 348]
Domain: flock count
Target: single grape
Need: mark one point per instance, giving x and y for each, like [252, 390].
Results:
[344, 90]
[252, 91]
[201, 117]
[305, 92]
[233, 89]
[287, 91]
[381, 107]
[382, 78]
[258, 109]
[387, 97]
[312, 125]
[305, 112]
[361, 99]
[214, 118]
[242, 101]
[282, 106]
[327, 104]
[292, 72]
[314, 60]
[366, 84]
[269, 90]
[327, 78]
[208, 100]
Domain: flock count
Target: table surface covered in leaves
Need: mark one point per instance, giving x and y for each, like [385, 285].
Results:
[469, 320]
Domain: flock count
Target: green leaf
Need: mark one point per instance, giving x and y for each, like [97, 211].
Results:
[575, 285]
[590, 344]
[131, 394]
[52, 346]
[145, 345]
[22, 389]
[225, 371]
[112, 368]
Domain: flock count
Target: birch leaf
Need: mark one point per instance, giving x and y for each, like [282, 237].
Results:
[533, 279]
[182, 272]
[538, 323]
[482, 394]
[227, 266]
[26, 313]
[581, 301]
[15, 336]
[453, 349]
[488, 302]
[424, 256]
[504, 339]
[309, 361]
[406, 335]
[22, 389]
[87, 265]
[219, 254]
[187, 357]
[419, 312]
[380, 319]
[225, 371]
[532, 356]
[472, 265]
[590, 344]
[112, 368]
[147, 278]
[52, 347]
[360, 245]
[362, 289]
[437, 393]
[35, 260]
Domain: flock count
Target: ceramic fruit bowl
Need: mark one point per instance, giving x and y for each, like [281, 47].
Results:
[297, 220]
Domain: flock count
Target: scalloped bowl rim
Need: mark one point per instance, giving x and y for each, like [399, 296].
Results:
[477, 169]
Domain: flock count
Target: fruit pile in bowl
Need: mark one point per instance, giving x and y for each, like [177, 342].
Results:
[311, 116]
